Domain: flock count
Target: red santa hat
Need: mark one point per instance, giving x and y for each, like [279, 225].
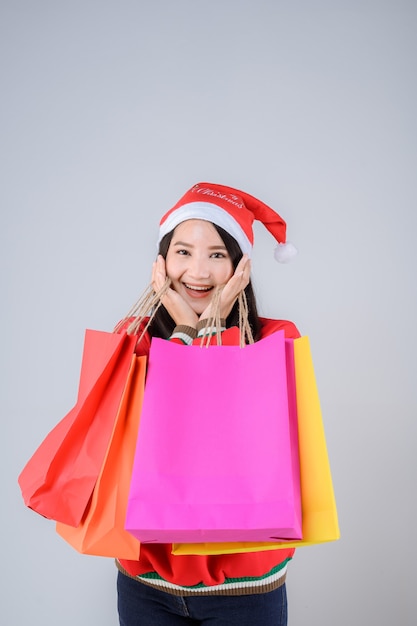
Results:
[234, 211]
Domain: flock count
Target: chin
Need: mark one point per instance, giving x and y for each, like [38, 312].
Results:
[198, 311]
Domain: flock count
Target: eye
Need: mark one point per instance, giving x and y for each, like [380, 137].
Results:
[218, 255]
[182, 252]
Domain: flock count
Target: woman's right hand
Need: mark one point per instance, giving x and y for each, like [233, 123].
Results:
[177, 307]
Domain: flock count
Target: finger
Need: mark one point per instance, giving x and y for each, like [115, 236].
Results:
[158, 273]
[160, 264]
[243, 264]
[241, 277]
[246, 270]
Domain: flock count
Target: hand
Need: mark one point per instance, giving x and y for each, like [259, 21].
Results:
[231, 289]
[177, 307]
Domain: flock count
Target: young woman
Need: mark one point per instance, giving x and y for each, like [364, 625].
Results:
[205, 243]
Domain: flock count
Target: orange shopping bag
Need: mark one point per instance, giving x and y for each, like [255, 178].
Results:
[319, 514]
[58, 480]
[102, 529]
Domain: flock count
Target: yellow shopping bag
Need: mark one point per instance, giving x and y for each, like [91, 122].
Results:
[319, 513]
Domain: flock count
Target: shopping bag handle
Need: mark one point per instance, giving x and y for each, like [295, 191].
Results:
[213, 322]
[147, 304]
[150, 301]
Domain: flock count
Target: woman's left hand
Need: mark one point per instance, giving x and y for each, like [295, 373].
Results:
[237, 283]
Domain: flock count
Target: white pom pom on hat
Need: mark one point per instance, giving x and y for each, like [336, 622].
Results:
[234, 211]
[285, 252]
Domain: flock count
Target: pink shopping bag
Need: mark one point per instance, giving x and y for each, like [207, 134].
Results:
[217, 450]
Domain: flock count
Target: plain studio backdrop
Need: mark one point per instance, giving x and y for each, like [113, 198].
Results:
[110, 111]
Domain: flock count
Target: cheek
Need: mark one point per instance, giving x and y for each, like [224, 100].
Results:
[171, 267]
[227, 273]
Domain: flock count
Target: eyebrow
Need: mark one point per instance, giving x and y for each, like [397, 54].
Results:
[189, 245]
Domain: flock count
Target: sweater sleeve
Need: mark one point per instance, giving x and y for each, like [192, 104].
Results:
[183, 334]
[269, 326]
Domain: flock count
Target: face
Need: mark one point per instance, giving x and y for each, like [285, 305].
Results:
[197, 261]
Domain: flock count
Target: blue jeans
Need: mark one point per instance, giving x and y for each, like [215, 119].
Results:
[142, 605]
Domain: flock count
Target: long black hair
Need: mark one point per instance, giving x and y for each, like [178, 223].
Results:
[163, 325]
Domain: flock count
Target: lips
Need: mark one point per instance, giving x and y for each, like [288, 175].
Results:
[198, 287]
[197, 291]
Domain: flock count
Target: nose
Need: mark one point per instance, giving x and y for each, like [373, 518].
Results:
[198, 268]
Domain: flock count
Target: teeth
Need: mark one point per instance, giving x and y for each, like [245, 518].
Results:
[197, 288]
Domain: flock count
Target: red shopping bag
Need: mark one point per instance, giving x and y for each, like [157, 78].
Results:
[101, 531]
[217, 450]
[58, 480]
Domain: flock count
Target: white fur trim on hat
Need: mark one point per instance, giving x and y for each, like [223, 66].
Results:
[210, 213]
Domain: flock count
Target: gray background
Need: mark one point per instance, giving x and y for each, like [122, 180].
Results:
[110, 111]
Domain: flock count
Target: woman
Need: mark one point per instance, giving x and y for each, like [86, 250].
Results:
[205, 243]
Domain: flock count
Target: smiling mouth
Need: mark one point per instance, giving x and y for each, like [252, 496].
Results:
[196, 288]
